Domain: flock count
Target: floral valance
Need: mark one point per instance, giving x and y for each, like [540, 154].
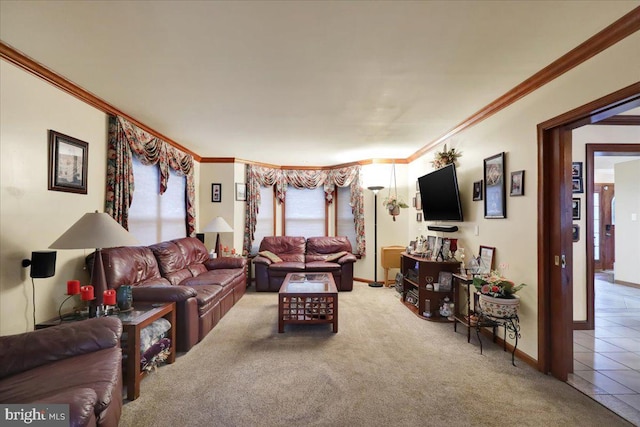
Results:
[126, 139]
[260, 176]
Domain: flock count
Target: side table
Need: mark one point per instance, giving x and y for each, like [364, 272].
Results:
[133, 321]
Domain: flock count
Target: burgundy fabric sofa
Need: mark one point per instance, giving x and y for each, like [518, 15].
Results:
[180, 271]
[300, 255]
[77, 363]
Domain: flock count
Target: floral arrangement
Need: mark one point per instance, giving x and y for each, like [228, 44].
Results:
[392, 201]
[496, 286]
[445, 157]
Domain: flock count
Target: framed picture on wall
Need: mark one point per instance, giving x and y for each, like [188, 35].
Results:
[576, 185]
[68, 159]
[575, 232]
[517, 183]
[418, 202]
[576, 205]
[241, 191]
[576, 170]
[477, 191]
[216, 193]
[495, 205]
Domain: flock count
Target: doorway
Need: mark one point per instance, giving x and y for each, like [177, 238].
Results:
[555, 280]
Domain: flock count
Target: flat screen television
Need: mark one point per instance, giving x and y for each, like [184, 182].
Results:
[440, 195]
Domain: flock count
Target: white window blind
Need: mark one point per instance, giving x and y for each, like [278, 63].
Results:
[345, 225]
[265, 219]
[154, 218]
[305, 212]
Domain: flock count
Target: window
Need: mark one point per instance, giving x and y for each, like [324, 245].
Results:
[265, 218]
[345, 225]
[154, 218]
[305, 212]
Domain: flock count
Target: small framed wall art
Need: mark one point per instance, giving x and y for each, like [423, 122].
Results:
[576, 170]
[575, 232]
[68, 158]
[495, 205]
[216, 193]
[576, 205]
[477, 191]
[241, 191]
[517, 183]
[576, 185]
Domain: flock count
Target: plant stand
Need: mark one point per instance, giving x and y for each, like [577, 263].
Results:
[510, 324]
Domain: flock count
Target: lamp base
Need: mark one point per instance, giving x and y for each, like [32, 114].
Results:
[375, 284]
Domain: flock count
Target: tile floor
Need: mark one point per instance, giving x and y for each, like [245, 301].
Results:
[606, 363]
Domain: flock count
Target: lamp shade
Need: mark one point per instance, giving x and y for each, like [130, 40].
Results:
[217, 225]
[94, 230]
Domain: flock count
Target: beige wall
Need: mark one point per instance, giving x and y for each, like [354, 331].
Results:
[513, 130]
[31, 217]
[627, 225]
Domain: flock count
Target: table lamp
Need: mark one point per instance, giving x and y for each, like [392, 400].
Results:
[95, 230]
[218, 225]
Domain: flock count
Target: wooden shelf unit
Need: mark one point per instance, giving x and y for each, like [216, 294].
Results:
[417, 272]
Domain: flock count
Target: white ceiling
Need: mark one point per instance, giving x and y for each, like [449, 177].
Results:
[301, 83]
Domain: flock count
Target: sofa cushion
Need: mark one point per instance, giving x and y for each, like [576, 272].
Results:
[222, 277]
[328, 245]
[322, 266]
[208, 295]
[179, 276]
[270, 256]
[130, 266]
[193, 250]
[290, 249]
[99, 371]
[169, 257]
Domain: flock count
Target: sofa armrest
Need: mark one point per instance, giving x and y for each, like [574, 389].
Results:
[262, 260]
[29, 350]
[225, 262]
[347, 259]
[163, 293]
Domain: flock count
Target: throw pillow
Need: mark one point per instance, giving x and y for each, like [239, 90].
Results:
[270, 256]
[333, 257]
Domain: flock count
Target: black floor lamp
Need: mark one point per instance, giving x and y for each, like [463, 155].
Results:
[375, 190]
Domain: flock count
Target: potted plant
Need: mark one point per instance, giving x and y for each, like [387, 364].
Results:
[393, 205]
[444, 157]
[497, 295]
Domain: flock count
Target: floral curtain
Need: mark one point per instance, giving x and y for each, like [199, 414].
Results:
[126, 139]
[257, 176]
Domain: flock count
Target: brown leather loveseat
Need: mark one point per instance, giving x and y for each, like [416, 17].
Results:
[180, 271]
[77, 363]
[295, 254]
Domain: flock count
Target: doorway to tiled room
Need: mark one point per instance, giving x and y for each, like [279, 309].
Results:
[606, 363]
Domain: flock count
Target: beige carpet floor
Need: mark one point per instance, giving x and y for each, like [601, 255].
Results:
[385, 367]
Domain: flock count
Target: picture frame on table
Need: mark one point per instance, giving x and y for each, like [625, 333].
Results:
[216, 193]
[477, 191]
[241, 191]
[485, 259]
[576, 185]
[495, 200]
[68, 163]
[517, 183]
[576, 208]
[445, 279]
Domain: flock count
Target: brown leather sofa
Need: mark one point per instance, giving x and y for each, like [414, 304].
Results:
[298, 254]
[180, 271]
[78, 363]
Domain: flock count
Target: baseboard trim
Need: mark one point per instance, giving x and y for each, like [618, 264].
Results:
[519, 354]
[631, 284]
[581, 325]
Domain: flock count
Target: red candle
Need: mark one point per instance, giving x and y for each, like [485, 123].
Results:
[86, 293]
[109, 297]
[73, 287]
[233, 251]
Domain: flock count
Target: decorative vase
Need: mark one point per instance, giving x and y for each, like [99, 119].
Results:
[499, 307]
[124, 297]
[394, 211]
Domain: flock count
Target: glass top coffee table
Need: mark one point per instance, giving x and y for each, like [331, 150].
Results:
[307, 298]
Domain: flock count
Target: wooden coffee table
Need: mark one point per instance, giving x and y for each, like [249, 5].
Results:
[307, 298]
